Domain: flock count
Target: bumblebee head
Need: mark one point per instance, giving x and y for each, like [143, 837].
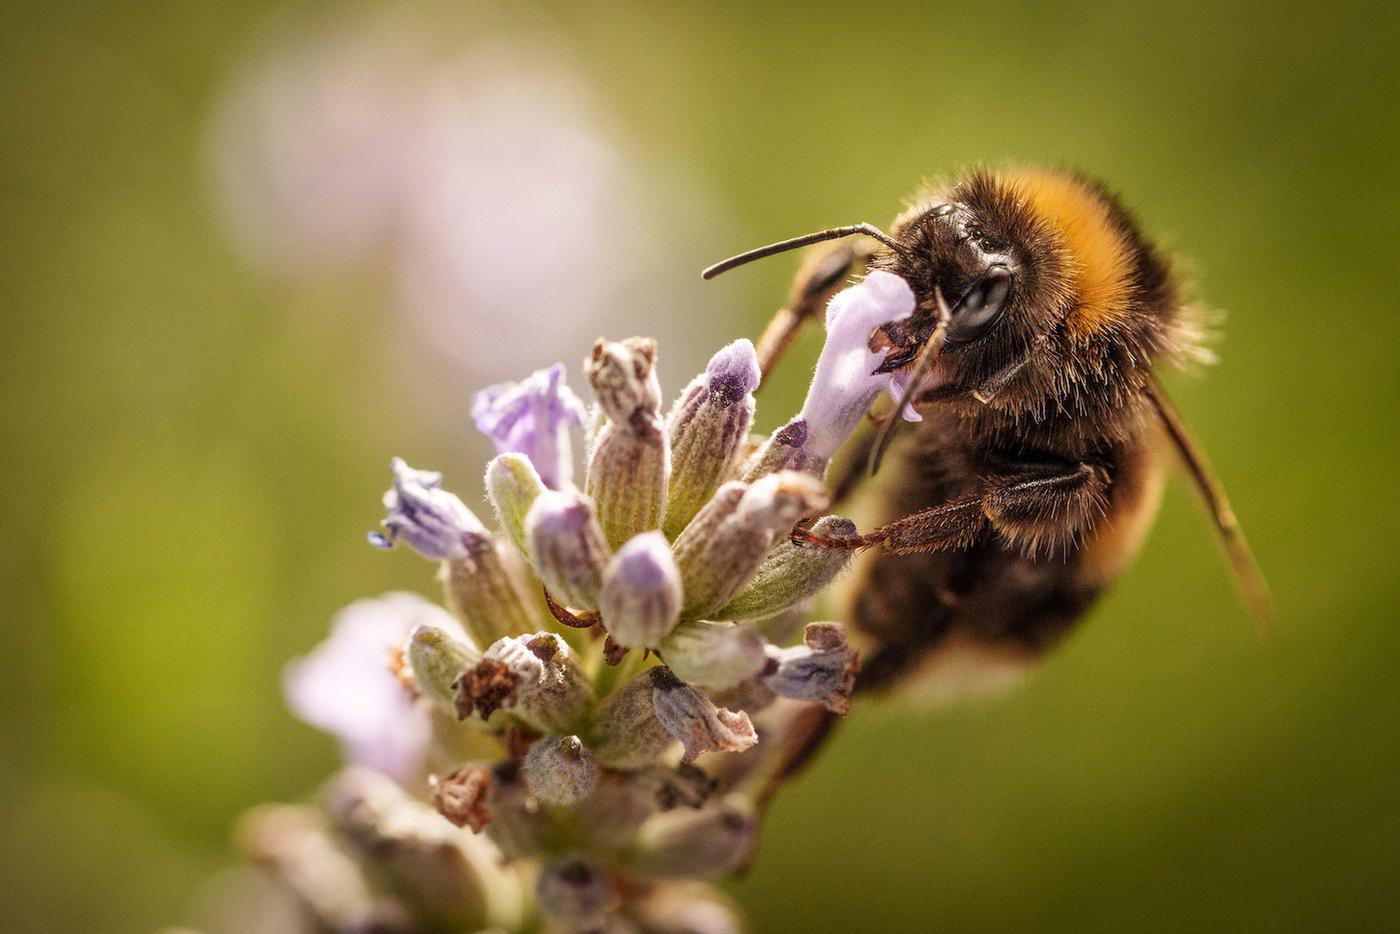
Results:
[1034, 291]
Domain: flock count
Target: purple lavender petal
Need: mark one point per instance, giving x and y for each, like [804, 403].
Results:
[733, 371]
[434, 522]
[533, 417]
[845, 384]
[899, 381]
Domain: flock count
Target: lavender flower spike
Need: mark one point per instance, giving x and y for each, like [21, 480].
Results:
[533, 417]
[434, 522]
[845, 383]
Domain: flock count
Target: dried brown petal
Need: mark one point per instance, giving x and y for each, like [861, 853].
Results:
[461, 797]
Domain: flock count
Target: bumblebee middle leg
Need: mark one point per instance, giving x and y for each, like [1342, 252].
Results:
[1036, 508]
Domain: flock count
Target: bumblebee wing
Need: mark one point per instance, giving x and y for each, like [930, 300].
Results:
[1248, 576]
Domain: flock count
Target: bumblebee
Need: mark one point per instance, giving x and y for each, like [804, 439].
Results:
[1042, 316]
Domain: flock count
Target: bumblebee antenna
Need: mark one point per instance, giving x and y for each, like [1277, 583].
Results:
[834, 233]
[922, 364]
[1248, 576]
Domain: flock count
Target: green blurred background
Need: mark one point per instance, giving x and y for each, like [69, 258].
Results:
[194, 437]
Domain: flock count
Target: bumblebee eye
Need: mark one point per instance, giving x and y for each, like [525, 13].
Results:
[980, 306]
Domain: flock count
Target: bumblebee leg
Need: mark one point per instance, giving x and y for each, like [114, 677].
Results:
[1036, 508]
[1046, 510]
[951, 525]
[823, 272]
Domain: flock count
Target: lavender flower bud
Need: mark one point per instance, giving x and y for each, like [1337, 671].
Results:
[519, 825]
[533, 417]
[438, 660]
[719, 551]
[677, 908]
[576, 892]
[568, 548]
[822, 670]
[712, 515]
[513, 485]
[451, 879]
[631, 461]
[707, 427]
[791, 573]
[717, 655]
[611, 815]
[293, 843]
[704, 844]
[534, 677]
[752, 695]
[641, 594]
[685, 786]
[485, 589]
[434, 522]
[560, 770]
[785, 449]
[692, 718]
[626, 733]
[845, 382]
[780, 628]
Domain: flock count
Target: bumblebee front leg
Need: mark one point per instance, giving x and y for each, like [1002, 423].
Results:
[821, 274]
[1034, 509]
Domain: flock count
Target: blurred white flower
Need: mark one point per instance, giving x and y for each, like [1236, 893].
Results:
[347, 687]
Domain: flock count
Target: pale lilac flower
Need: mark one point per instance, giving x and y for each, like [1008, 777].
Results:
[533, 417]
[414, 141]
[845, 383]
[434, 522]
[346, 686]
